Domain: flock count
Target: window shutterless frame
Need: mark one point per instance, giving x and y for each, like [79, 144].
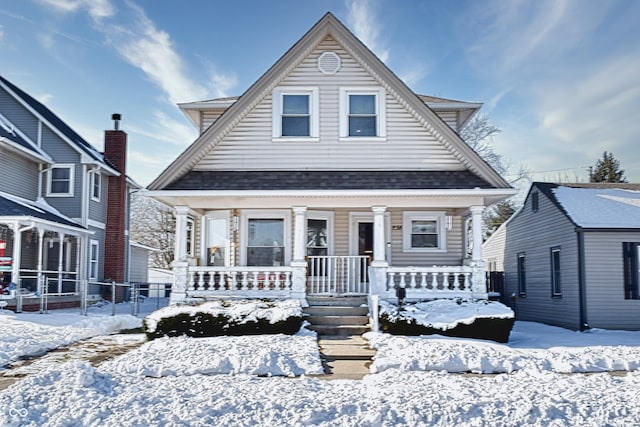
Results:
[362, 114]
[556, 285]
[295, 112]
[60, 180]
[522, 275]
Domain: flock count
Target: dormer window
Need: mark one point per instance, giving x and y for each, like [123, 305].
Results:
[295, 113]
[362, 113]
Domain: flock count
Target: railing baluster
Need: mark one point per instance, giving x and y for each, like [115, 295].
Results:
[412, 281]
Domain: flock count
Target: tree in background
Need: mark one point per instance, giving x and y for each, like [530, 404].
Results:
[153, 224]
[478, 134]
[607, 169]
[497, 214]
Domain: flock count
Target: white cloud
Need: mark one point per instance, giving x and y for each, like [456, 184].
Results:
[166, 129]
[366, 27]
[97, 9]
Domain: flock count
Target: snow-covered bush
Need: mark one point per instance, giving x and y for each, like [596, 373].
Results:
[480, 319]
[216, 318]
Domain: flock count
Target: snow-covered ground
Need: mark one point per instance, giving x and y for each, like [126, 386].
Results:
[173, 381]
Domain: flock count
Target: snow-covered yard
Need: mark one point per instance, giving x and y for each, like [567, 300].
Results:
[173, 381]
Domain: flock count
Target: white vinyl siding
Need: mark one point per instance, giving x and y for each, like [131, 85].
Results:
[409, 144]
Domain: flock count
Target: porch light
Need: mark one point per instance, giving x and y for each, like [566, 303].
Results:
[449, 222]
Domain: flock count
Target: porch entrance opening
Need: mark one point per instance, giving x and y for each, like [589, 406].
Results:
[342, 275]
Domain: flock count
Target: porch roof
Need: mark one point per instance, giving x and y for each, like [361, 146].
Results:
[328, 180]
[15, 208]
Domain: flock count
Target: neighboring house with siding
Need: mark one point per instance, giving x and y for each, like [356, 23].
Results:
[570, 255]
[64, 206]
[329, 176]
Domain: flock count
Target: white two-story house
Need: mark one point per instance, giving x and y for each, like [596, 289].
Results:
[329, 176]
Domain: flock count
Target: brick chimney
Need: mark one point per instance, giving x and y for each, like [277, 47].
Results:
[116, 241]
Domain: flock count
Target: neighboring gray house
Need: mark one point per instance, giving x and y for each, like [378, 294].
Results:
[570, 255]
[329, 176]
[64, 206]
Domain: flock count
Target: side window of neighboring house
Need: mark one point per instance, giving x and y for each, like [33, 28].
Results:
[362, 113]
[556, 287]
[295, 113]
[94, 253]
[534, 201]
[522, 275]
[631, 263]
[60, 182]
[96, 185]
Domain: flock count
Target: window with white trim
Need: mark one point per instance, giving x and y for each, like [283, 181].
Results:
[424, 231]
[96, 185]
[218, 243]
[362, 113]
[556, 285]
[60, 182]
[295, 113]
[94, 253]
[522, 275]
[266, 238]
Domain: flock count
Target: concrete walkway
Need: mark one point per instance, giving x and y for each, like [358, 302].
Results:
[344, 357]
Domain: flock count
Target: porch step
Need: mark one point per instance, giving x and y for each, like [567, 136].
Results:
[339, 330]
[348, 301]
[337, 320]
[335, 310]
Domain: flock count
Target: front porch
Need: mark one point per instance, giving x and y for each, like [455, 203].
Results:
[371, 241]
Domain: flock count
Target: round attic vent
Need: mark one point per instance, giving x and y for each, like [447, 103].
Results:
[329, 63]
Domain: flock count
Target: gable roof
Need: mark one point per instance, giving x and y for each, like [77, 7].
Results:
[15, 140]
[595, 205]
[56, 124]
[328, 25]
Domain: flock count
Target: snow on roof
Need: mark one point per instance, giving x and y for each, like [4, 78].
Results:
[600, 207]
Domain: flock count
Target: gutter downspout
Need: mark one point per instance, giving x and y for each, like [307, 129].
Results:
[582, 292]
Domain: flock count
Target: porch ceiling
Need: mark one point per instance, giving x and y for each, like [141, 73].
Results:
[327, 199]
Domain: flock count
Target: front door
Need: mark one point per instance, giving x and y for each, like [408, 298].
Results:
[365, 238]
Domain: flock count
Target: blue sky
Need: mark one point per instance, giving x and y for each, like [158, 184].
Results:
[561, 78]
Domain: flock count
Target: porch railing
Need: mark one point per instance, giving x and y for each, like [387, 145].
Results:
[239, 281]
[429, 282]
[338, 274]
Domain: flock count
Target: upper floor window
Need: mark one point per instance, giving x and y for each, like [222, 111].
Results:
[534, 202]
[96, 185]
[295, 113]
[424, 231]
[60, 180]
[362, 113]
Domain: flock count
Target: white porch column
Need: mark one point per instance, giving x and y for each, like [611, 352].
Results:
[17, 250]
[299, 264]
[476, 229]
[60, 260]
[40, 259]
[379, 241]
[180, 250]
[180, 279]
[299, 240]
[378, 268]
[479, 280]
